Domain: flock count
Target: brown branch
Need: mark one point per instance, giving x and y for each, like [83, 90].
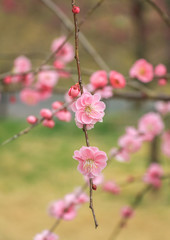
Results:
[76, 27]
[68, 24]
[163, 15]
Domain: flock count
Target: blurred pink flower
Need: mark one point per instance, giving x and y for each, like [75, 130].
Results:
[22, 64]
[163, 107]
[63, 209]
[66, 53]
[29, 96]
[91, 161]
[142, 70]
[117, 80]
[64, 115]
[166, 143]
[153, 175]
[127, 212]
[112, 187]
[150, 125]
[160, 70]
[47, 78]
[99, 79]
[106, 92]
[46, 235]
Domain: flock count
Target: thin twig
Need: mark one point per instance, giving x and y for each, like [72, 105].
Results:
[68, 24]
[28, 129]
[81, 89]
[162, 14]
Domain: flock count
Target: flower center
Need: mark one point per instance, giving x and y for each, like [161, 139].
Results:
[142, 71]
[88, 165]
[88, 109]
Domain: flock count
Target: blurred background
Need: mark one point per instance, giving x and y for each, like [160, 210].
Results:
[38, 168]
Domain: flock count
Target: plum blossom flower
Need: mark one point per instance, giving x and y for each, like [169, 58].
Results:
[106, 92]
[64, 115]
[88, 109]
[117, 80]
[46, 235]
[47, 78]
[99, 79]
[142, 70]
[127, 212]
[91, 161]
[61, 209]
[150, 125]
[153, 175]
[111, 187]
[22, 64]
[130, 143]
[160, 70]
[163, 107]
[66, 53]
[29, 96]
[166, 143]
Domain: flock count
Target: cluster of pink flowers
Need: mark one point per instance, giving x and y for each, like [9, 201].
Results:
[149, 126]
[46, 235]
[88, 110]
[145, 72]
[62, 114]
[40, 88]
[91, 161]
[99, 81]
[153, 175]
[66, 208]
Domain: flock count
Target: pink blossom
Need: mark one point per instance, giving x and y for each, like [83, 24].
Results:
[61, 209]
[64, 115]
[111, 187]
[28, 79]
[56, 105]
[47, 78]
[122, 156]
[162, 82]
[66, 53]
[163, 107]
[130, 143]
[48, 123]
[88, 109]
[160, 70]
[31, 119]
[150, 125]
[106, 92]
[127, 212]
[46, 113]
[22, 64]
[99, 79]
[59, 66]
[29, 96]
[153, 175]
[46, 235]
[81, 198]
[74, 91]
[142, 70]
[166, 143]
[117, 80]
[7, 80]
[91, 161]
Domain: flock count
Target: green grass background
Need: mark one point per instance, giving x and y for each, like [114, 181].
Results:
[38, 168]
